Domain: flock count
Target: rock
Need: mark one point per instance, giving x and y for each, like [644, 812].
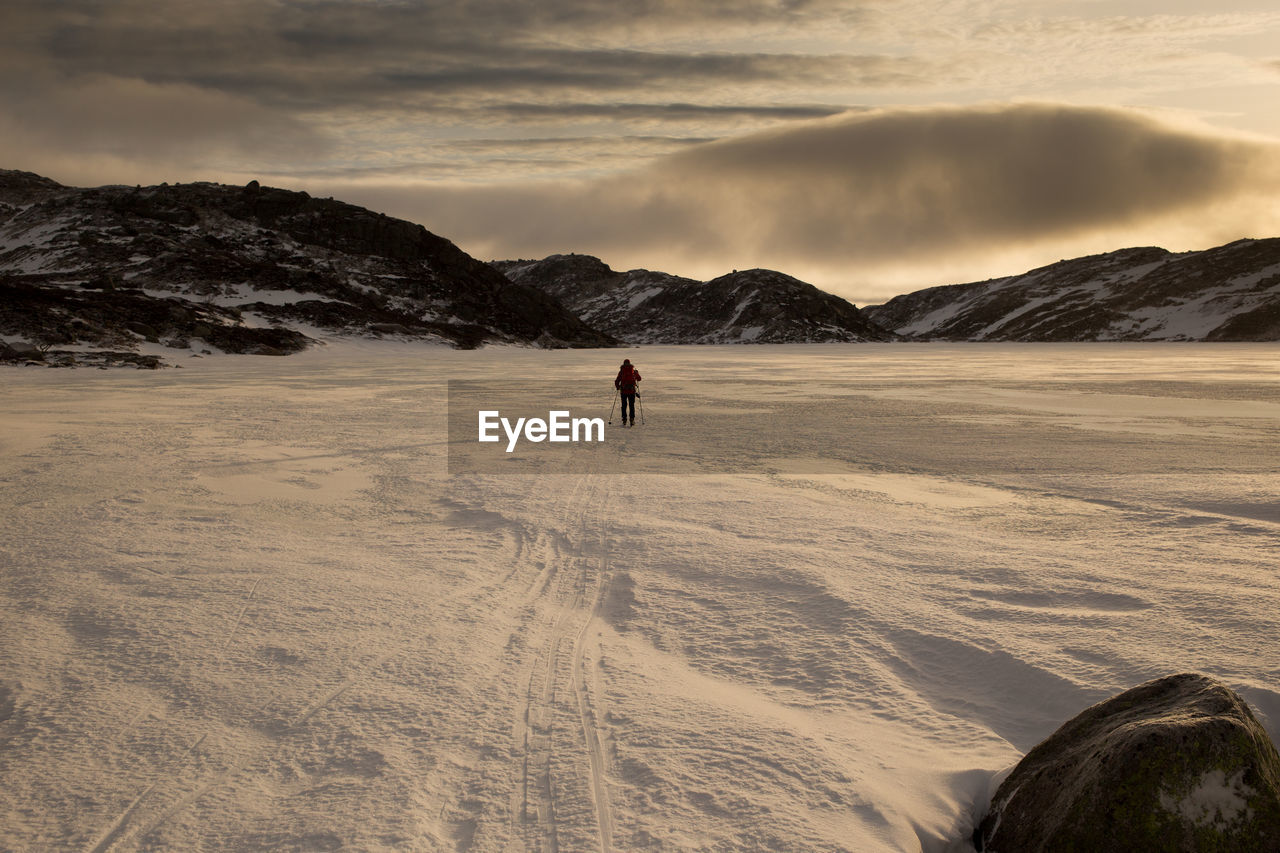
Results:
[1176, 764]
[148, 333]
[25, 187]
[20, 352]
[389, 329]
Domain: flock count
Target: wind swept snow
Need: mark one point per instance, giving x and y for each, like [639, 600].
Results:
[643, 294]
[244, 606]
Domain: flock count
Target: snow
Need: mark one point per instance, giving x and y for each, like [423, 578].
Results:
[243, 605]
[743, 305]
[1087, 291]
[946, 312]
[1254, 278]
[643, 295]
[40, 235]
[1131, 274]
[37, 249]
[1215, 799]
[1195, 318]
[235, 296]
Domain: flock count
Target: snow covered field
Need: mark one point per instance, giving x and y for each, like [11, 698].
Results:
[244, 607]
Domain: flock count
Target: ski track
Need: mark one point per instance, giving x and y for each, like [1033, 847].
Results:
[551, 758]
[240, 616]
[116, 830]
[596, 755]
[562, 785]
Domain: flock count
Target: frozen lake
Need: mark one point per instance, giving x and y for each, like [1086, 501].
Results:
[244, 605]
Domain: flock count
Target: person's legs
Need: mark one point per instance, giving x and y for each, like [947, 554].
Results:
[628, 400]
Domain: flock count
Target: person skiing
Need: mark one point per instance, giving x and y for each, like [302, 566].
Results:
[627, 379]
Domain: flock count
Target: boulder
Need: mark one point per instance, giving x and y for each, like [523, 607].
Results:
[20, 351]
[1176, 764]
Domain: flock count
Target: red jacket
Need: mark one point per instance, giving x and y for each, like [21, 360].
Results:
[627, 378]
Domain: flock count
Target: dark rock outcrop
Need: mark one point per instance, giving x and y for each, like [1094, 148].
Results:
[246, 269]
[640, 306]
[19, 188]
[1230, 293]
[118, 317]
[1176, 764]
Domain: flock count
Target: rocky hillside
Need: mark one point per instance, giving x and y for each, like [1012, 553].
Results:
[753, 306]
[242, 269]
[1231, 293]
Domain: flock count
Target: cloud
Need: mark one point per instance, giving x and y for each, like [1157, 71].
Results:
[658, 113]
[1165, 29]
[470, 159]
[316, 55]
[447, 55]
[223, 87]
[889, 181]
[621, 70]
[74, 131]
[923, 187]
[383, 81]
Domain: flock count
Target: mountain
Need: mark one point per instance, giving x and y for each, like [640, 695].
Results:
[1230, 293]
[243, 269]
[643, 307]
[131, 274]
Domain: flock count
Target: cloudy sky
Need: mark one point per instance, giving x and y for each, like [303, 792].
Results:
[868, 146]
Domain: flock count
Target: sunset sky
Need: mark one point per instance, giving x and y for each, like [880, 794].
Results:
[868, 146]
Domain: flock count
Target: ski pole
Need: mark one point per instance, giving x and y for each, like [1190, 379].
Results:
[641, 401]
[611, 408]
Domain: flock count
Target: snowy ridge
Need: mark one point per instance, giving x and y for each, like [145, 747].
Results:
[1230, 293]
[647, 307]
[203, 267]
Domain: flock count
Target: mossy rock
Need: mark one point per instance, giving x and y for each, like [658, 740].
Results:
[1176, 764]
